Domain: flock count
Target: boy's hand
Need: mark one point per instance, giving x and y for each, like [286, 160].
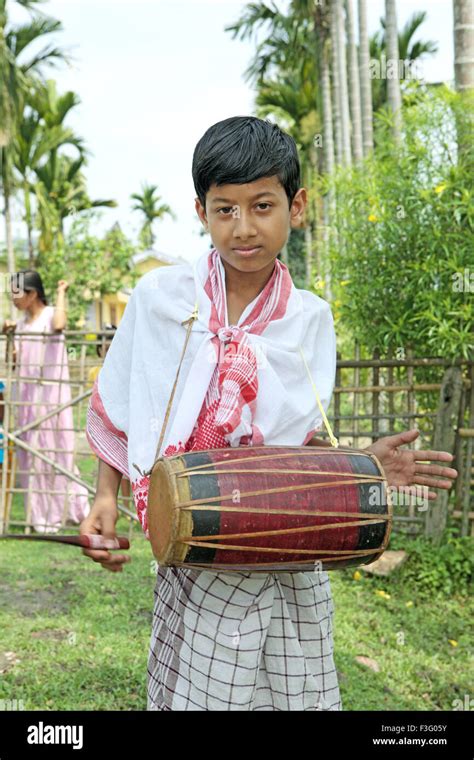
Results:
[403, 467]
[101, 520]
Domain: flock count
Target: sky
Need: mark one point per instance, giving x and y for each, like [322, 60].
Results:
[152, 76]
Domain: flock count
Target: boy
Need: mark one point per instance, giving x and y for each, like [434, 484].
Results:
[228, 641]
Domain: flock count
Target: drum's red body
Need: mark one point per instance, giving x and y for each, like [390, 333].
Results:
[269, 508]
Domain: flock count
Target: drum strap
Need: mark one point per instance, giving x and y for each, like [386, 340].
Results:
[332, 437]
[189, 323]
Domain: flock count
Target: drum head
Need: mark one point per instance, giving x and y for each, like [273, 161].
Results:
[165, 521]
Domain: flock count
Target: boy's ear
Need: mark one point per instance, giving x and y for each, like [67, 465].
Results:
[298, 207]
[201, 212]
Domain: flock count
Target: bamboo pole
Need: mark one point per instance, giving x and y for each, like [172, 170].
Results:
[443, 440]
[375, 392]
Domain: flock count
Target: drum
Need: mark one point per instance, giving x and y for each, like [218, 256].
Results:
[269, 509]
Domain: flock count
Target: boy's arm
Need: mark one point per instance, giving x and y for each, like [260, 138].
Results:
[103, 516]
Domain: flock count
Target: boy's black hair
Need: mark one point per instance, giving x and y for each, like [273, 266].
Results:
[243, 149]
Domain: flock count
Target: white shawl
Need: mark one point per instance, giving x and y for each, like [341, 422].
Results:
[138, 374]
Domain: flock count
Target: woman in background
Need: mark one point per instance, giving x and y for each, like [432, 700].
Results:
[42, 384]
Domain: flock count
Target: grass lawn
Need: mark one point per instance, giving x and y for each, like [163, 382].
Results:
[75, 637]
[79, 632]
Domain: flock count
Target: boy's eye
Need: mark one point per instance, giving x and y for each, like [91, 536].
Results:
[225, 210]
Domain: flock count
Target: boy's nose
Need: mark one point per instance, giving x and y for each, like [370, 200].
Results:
[244, 228]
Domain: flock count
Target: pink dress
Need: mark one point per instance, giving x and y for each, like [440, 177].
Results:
[51, 498]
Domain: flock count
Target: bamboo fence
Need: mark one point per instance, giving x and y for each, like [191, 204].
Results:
[373, 397]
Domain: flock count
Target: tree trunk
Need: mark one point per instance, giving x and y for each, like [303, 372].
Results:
[463, 12]
[393, 78]
[329, 201]
[328, 138]
[323, 213]
[317, 228]
[308, 240]
[9, 242]
[336, 84]
[29, 230]
[308, 160]
[5, 167]
[338, 38]
[354, 85]
[444, 440]
[365, 83]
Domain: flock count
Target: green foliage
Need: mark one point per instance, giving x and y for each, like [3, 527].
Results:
[438, 570]
[296, 258]
[93, 266]
[148, 203]
[409, 52]
[405, 233]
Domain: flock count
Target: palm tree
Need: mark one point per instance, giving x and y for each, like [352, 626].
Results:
[40, 134]
[394, 94]
[16, 75]
[322, 40]
[354, 85]
[409, 50]
[61, 191]
[364, 76]
[323, 45]
[275, 50]
[290, 98]
[463, 11]
[335, 87]
[339, 42]
[149, 205]
[290, 71]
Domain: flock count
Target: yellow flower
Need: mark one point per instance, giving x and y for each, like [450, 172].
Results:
[409, 604]
[344, 282]
[320, 284]
[337, 303]
[357, 575]
[439, 188]
[453, 642]
[91, 336]
[372, 218]
[383, 594]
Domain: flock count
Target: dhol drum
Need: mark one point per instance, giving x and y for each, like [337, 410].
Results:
[269, 509]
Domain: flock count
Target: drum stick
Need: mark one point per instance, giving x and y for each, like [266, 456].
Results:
[86, 541]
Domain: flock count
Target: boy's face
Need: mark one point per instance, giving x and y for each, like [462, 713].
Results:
[249, 224]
